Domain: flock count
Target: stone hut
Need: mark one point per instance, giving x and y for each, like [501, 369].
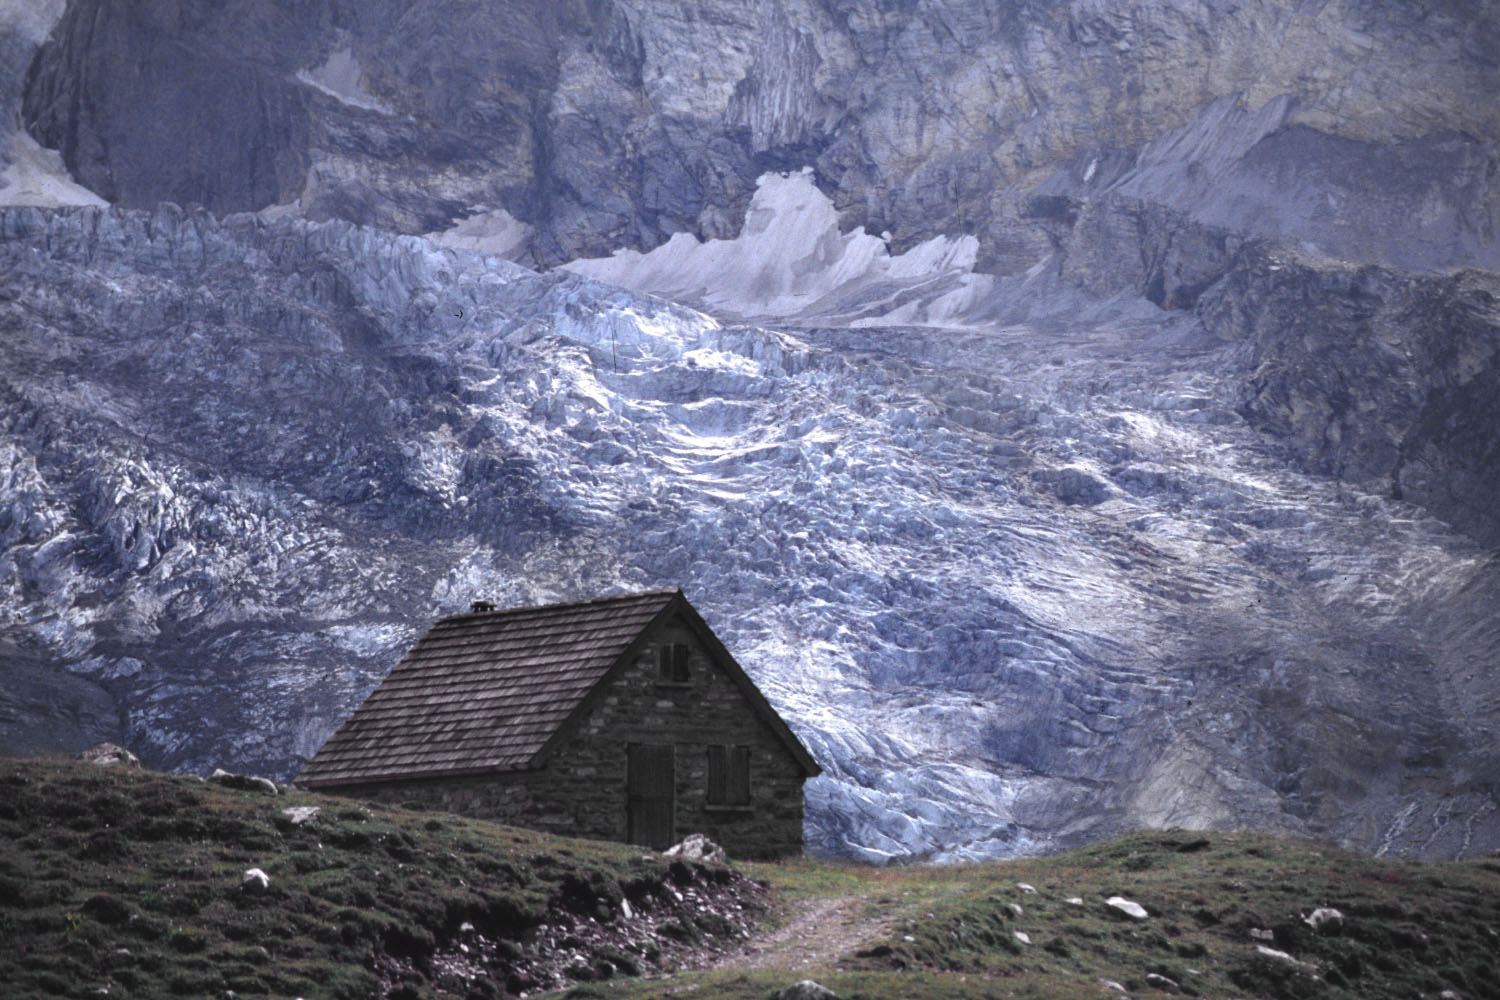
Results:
[620, 718]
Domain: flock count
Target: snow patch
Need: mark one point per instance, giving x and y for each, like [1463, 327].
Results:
[341, 78]
[495, 234]
[32, 20]
[36, 176]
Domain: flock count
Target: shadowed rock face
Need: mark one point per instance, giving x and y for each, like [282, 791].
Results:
[1375, 376]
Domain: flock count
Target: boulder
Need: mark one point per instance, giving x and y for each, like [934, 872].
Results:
[1277, 955]
[243, 782]
[110, 755]
[807, 989]
[1127, 907]
[697, 847]
[1325, 920]
[1157, 981]
[255, 880]
[301, 814]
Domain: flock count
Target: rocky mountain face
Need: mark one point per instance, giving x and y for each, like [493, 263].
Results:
[1139, 472]
[618, 123]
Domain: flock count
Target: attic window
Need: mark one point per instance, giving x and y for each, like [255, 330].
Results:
[728, 776]
[672, 664]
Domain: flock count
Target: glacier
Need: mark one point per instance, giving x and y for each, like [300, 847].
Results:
[1015, 585]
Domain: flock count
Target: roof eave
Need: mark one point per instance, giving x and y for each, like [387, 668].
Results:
[406, 776]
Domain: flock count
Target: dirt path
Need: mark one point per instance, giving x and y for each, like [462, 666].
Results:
[818, 933]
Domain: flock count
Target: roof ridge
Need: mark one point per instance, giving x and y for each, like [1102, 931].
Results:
[558, 605]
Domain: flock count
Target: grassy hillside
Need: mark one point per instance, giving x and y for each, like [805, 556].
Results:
[132, 881]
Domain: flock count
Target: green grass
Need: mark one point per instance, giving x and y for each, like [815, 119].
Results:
[131, 881]
[1411, 929]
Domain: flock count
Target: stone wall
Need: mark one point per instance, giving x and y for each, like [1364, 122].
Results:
[582, 790]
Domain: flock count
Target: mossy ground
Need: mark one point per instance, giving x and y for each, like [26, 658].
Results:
[131, 881]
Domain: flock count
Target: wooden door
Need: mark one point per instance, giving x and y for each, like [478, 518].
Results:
[650, 784]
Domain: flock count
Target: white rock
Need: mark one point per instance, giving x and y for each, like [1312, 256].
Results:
[698, 847]
[1162, 983]
[1277, 954]
[255, 880]
[301, 814]
[1128, 907]
[1074, 900]
[1110, 984]
[1022, 937]
[806, 989]
[1027, 888]
[1324, 920]
[1015, 909]
[110, 755]
[244, 782]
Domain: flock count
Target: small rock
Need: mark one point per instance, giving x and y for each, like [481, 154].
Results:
[243, 782]
[1128, 907]
[1022, 937]
[807, 989]
[1015, 909]
[1027, 888]
[1162, 982]
[301, 814]
[1262, 934]
[1074, 901]
[110, 755]
[626, 910]
[1448, 995]
[697, 847]
[1110, 984]
[466, 928]
[1325, 920]
[1279, 956]
[255, 880]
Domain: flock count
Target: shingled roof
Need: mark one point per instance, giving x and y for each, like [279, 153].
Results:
[492, 690]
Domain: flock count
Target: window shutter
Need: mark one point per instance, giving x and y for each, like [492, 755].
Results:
[718, 775]
[739, 777]
[672, 663]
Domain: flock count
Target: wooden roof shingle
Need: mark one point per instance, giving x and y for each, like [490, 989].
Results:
[484, 691]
